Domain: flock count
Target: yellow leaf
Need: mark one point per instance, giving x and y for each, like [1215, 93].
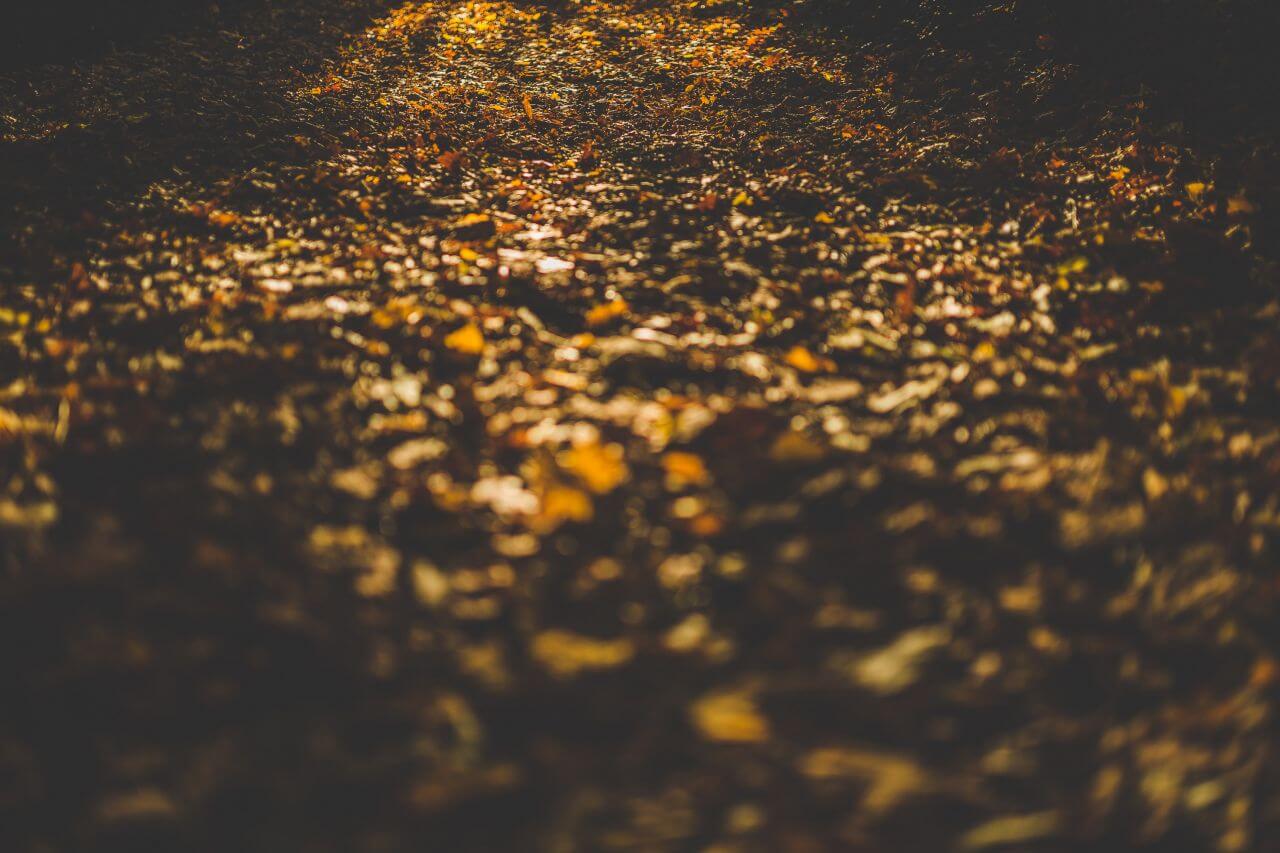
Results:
[468, 340]
[528, 107]
[223, 219]
[1239, 205]
[1175, 402]
[685, 468]
[565, 654]
[606, 311]
[729, 718]
[471, 220]
[600, 467]
[824, 218]
[806, 362]
[561, 504]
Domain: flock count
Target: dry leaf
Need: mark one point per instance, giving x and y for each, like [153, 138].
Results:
[565, 654]
[685, 468]
[603, 313]
[561, 504]
[468, 340]
[601, 468]
[795, 446]
[731, 717]
[806, 362]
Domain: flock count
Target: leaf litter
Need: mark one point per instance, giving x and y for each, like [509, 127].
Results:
[675, 418]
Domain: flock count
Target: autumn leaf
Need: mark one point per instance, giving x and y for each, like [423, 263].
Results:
[1239, 205]
[806, 362]
[223, 219]
[452, 160]
[606, 311]
[795, 446]
[601, 468]
[562, 504]
[565, 654]
[729, 717]
[685, 468]
[468, 340]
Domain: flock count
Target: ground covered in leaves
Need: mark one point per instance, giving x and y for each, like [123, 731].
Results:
[611, 426]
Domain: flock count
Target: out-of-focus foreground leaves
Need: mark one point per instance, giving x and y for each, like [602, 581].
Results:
[619, 426]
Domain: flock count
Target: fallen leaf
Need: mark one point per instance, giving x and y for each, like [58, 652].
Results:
[685, 469]
[890, 778]
[561, 504]
[468, 340]
[606, 311]
[806, 362]
[601, 468]
[795, 446]
[729, 717]
[566, 654]
[1011, 830]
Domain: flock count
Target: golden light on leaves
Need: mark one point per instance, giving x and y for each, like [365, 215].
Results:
[685, 468]
[561, 504]
[223, 219]
[468, 340]
[565, 654]
[729, 717]
[579, 344]
[889, 778]
[601, 468]
[603, 313]
[806, 362]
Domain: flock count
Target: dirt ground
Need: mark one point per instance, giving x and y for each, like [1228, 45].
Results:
[630, 427]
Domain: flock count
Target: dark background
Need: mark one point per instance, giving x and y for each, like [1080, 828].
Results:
[69, 30]
[1210, 50]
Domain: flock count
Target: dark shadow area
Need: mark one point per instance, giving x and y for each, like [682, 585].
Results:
[219, 103]
[62, 31]
[1210, 62]
[1203, 69]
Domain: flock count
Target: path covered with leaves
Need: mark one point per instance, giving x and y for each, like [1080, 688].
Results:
[628, 427]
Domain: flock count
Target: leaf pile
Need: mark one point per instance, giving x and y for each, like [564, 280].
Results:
[619, 426]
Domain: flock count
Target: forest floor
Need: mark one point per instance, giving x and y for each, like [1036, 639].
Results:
[466, 425]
